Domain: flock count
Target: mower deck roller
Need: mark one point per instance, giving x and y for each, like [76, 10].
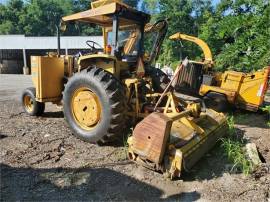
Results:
[173, 142]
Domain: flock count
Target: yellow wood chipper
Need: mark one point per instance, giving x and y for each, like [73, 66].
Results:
[220, 90]
[112, 88]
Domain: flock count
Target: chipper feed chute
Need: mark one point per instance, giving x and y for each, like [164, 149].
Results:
[174, 139]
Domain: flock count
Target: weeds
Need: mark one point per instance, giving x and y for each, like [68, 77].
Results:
[235, 153]
[267, 110]
[122, 154]
[231, 123]
[125, 144]
[233, 146]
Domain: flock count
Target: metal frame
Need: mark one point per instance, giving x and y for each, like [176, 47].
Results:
[115, 30]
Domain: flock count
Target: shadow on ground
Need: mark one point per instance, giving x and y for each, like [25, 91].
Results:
[212, 165]
[58, 114]
[2, 136]
[252, 119]
[95, 184]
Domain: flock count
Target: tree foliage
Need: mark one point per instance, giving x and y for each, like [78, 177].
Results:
[39, 18]
[184, 16]
[237, 31]
[10, 17]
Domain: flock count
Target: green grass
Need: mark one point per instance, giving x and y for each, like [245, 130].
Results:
[231, 123]
[233, 146]
[125, 144]
[266, 109]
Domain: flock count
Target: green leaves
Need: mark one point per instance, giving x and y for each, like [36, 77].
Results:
[238, 32]
[38, 18]
[242, 27]
[9, 17]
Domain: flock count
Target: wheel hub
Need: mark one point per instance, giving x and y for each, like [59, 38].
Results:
[28, 103]
[86, 108]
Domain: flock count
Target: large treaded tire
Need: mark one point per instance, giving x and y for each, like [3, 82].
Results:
[112, 98]
[37, 107]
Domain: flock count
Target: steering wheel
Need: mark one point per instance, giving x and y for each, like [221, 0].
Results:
[93, 45]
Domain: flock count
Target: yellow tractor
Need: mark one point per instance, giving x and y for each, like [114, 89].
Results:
[113, 87]
[220, 90]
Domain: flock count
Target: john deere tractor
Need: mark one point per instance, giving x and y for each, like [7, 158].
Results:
[115, 86]
[93, 86]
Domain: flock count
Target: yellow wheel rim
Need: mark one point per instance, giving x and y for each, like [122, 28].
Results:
[28, 103]
[86, 108]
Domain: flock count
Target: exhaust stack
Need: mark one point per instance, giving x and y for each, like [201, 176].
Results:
[58, 40]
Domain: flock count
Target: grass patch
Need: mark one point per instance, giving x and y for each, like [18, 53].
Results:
[122, 153]
[125, 144]
[266, 109]
[233, 146]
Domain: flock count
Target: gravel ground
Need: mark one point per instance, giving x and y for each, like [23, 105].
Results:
[42, 161]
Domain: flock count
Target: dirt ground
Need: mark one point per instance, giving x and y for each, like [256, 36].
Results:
[42, 161]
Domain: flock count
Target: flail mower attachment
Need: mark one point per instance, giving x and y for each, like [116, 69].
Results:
[173, 140]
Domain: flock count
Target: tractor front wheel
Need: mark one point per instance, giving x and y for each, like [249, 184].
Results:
[29, 103]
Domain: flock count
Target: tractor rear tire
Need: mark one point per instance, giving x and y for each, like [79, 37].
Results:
[94, 106]
[29, 103]
[216, 101]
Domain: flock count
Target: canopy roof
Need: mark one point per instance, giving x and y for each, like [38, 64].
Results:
[103, 15]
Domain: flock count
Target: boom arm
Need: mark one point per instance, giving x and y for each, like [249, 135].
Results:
[206, 50]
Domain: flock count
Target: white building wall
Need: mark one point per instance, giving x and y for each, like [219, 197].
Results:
[67, 42]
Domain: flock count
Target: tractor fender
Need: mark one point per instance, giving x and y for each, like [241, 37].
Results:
[104, 61]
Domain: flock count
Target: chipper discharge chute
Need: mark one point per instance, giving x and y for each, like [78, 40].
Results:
[173, 140]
